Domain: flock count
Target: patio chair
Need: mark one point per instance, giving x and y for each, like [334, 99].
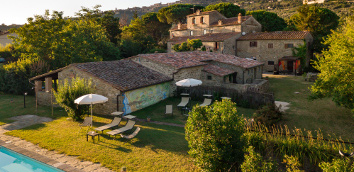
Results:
[87, 122]
[169, 110]
[115, 122]
[131, 135]
[130, 124]
[206, 102]
[184, 102]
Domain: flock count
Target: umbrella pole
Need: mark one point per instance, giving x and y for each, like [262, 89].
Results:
[91, 114]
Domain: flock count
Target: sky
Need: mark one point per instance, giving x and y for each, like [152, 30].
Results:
[17, 11]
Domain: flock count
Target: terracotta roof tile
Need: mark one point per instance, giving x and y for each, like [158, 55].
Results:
[216, 70]
[230, 21]
[124, 75]
[180, 60]
[275, 35]
[210, 37]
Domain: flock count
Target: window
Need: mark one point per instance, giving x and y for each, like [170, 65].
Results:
[270, 45]
[202, 20]
[205, 31]
[253, 44]
[209, 77]
[193, 20]
[289, 45]
[191, 32]
[211, 30]
[270, 62]
[216, 46]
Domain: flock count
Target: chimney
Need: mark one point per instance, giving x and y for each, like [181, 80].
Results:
[179, 26]
[239, 18]
[197, 12]
[220, 22]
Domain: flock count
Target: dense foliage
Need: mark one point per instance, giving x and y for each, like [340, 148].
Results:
[71, 90]
[268, 115]
[319, 21]
[214, 135]
[176, 13]
[336, 79]
[189, 45]
[269, 21]
[338, 165]
[254, 162]
[226, 9]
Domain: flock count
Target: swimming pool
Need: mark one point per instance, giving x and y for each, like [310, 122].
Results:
[11, 161]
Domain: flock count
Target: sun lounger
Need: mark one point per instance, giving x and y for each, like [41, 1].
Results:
[130, 124]
[184, 102]
[169, 110]
[87, 122]
[114, 123]
[131, 135]
[206, 102]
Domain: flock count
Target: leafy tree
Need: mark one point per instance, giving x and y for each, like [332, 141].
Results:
[176, 13]
[226, 9]
[336, 79]
[68, 92]
[214, 135]
[270, 21]
[190, 45]
[106, 19]
[319, 21]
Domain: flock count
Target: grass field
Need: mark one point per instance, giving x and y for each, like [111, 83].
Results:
[313, 115]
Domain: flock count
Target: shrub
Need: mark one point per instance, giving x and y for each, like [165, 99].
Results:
[268, 115]
[292, 164]
[255, 163]
[338, 165]
[68, 92]
[214, 135]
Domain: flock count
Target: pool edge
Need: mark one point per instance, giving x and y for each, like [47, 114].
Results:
[38, 157]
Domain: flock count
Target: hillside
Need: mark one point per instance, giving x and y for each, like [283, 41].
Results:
[284, 8]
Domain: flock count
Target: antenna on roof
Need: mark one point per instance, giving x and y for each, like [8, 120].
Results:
[243, 33]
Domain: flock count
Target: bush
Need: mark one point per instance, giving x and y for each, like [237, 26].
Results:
[214, 135]
[338, 165]
[255, 163]
[68, 92]
[292, 164]
[268, 115]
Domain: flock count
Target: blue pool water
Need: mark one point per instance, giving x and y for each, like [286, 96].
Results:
[11, 161]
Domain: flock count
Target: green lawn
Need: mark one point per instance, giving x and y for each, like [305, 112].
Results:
[157, 111]
[320, 114]
[155, 148]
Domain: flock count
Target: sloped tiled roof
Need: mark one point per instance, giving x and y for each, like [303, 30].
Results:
[183, 27]
[181, 60]
[216, 70]
[210, 37]
[124, 75]
[277, 35]
[230, 21]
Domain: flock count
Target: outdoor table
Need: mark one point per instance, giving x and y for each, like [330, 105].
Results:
[93, 134]
[117, 113]
[227, 98]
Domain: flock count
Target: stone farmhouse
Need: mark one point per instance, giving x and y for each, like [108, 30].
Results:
[242, 36]
[140, 81]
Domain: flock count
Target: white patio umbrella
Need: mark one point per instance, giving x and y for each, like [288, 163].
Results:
[90, 99]
[189, 82]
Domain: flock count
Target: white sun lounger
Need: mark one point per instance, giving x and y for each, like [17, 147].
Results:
[131, 135]
[169, 110]
[206, 102]
[130, 124]
[114, 123]
[184, 102]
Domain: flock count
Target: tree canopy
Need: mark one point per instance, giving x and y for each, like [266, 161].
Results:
[214, 135]
[176, 13]
[336, 79]
[189, 45]
[319, 21]
[226, 9]
[269, 21]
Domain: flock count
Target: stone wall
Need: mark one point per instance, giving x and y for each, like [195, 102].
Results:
[230, 45]
[101, 88]
[251, 25]
[264, 54]
[46, 98]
